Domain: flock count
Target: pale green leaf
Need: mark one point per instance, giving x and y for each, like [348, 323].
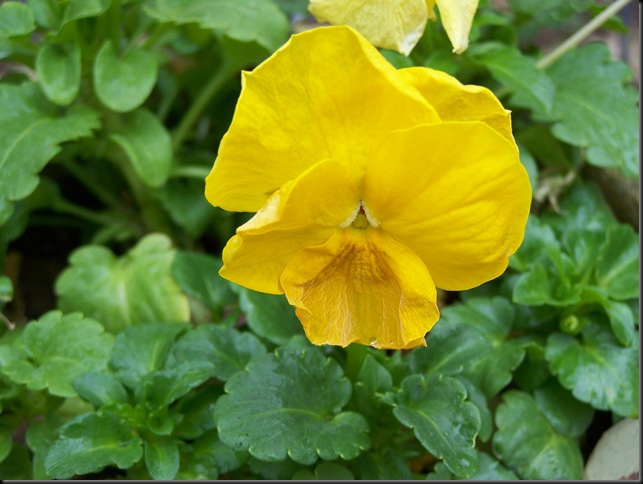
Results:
[123, 82]
[58, 67]
[77, 9]
[100, 389]
[133, 289]
[148, 146]
[441, 419]
[289, 404]
[617, 263]
[527, 443]
[162, 458]
[16, 18]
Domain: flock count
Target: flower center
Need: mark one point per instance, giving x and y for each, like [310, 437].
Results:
[361, 218]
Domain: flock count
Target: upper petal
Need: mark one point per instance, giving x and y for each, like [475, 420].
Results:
[396, 25]
[456, 194]
[328, 93]
[361, 287]
[457, 17]
[304, 212]
[455, 101]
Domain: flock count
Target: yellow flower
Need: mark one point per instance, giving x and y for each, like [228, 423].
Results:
[372, 186]
[399, 24]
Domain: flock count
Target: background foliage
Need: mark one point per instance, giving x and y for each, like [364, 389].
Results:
[146, 364]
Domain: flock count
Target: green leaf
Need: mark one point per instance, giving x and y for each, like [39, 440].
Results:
[123, 82]
[597, 370]
[493, 317]
[260, 21]
[100, 389]
[17, 465]
[32, 128]
[289, 404]
[56, 349]
[566, 415]
[134, 289]
[583, 208]
[39, 437]
[6, 290]
[198, 276]
[6, 442]
[47, 14]
[617, 263]
[489, 469]
[596, 109]
[58, 67]
[162, 458]
[325, 471]
[443, 422]
[140, 350]
[279, 470]
[207, 457]
[479, 399]
[387, 465]
[196, 408]
[620, 315]
[16, 18]
[270, 316]
[226, 349]
[148, 146]
[528, 444]
[77, 9]
[89, 442]
[373, 381]
[532, 88]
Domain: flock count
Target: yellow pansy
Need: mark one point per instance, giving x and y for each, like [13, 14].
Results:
[372, 186]
[399, 24]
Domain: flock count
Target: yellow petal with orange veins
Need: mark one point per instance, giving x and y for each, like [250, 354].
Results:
[455, 194]
[395, 25]
[455, 101]
[304, 212]
[457, 17]
[361, 287]
[327, 94]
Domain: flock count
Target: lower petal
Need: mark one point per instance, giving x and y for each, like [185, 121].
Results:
[361, 287]
[457, 18]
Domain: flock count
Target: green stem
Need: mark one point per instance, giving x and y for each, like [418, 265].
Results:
[114, 24]
[159, 32]
[190, 171]
[225, 71]
[582, 34]
[65, 206]
[92, 184]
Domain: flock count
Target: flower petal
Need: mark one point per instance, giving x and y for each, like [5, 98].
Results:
[327, 94]
[455, 101]
[304, 212]
[361, 287]
[457, 17]
[395, 25]
[453, 193]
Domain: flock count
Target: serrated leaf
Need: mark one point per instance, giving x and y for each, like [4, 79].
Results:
[598, 371]
[59, 68]
[227, 350]
[620, 315]
[269, 316]
[325, 471]
[547, 284]
[133, 289]
[476, 396]
[441, 419]
[196, 408]
[140, 350]
[123, 82]
[100, 389]
[162, 458]
[89, 442]
[566, 415]
[528, 444]
[207, 457]
[583, 207]
[32, 130]
[539, 237]
[198, 276]
[492, 317]
[373, 380]
[532, 88]
[148, 146]
[617, 263]
[16, 18]
[279, 470]
[489, 469]
[56, 349]
[290, 404]
[258, 21]
[596, 109]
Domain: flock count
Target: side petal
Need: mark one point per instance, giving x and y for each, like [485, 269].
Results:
[455, 101]
[457, 17]
[327, 94]
[361, 287]
[304, 212]
[390, 25]
[456, 194]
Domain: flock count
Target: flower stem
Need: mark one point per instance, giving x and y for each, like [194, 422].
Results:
[92, 183]
[582, 34]
[190, 171]
[226, 69]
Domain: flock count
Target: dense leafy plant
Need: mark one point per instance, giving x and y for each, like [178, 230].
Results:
[152, 366]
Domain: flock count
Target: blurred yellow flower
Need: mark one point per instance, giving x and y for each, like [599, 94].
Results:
[372, 186]
[399, 24]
